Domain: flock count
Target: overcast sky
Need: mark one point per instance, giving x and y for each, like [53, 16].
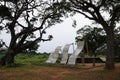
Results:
[63, 33]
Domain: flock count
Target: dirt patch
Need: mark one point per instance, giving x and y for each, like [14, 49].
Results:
[86, 72]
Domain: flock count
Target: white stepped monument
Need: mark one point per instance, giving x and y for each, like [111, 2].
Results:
[65, 54]
[72, 58]
[54, 55]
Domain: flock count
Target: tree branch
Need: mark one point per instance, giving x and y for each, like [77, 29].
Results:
[91, 18]
[102, 2]
[27, 31]
[20, 25]
[116, 9]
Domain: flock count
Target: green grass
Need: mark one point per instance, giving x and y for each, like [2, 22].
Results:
[31, 58]
[33, 67]
[33, 72]
[1, 55]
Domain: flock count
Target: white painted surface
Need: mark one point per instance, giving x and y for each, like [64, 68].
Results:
[65, 54]
[72, 58]
[54, 55]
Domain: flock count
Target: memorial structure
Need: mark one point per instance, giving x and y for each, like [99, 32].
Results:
[65, 54]
[54, 55]
[72, 58]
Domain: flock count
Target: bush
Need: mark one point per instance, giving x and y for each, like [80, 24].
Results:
[31, 59]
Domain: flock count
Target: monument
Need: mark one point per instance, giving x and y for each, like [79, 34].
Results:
[54, 55]
[65, 54]
[72, 58]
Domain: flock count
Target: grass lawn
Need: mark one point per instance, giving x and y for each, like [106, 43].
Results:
[34, 68]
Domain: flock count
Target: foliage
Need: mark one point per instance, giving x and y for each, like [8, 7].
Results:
[1, 44]
[94, 38]
[31, 12]
[1, 55]
[96, 11]
[32, 48]
[117, 42]
[5, 12]
[27, 21]
[31, 58]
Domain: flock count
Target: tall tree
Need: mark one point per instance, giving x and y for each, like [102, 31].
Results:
[94, 39]
[27, 20]
[117, 42]
[104, 12]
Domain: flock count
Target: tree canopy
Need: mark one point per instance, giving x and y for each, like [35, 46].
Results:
[104, 12]
[26, 21]
[94, 38]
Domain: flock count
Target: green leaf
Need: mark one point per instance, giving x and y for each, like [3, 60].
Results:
[1, 27]
[74, 23]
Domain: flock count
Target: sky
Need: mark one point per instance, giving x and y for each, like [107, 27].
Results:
[63, 33]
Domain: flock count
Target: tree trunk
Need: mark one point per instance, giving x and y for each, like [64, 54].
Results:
[8, 59]
[110, 64]
[94, 61]
[88, 53]
[83, 60]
